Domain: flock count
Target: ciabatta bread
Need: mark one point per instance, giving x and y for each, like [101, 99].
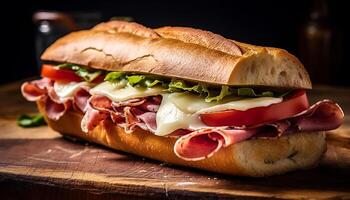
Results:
[184, 53]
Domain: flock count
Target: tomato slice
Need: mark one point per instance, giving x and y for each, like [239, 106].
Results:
[291, 105]
[54, 73]
[99, 79]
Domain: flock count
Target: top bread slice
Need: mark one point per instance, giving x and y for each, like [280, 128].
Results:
[185, 53]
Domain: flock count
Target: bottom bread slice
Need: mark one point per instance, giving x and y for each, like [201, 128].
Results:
[255, 157]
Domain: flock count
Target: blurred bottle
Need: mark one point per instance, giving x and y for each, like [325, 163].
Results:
[320, 45]
[52, 25]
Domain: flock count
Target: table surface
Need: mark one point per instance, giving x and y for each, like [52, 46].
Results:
[39, 163]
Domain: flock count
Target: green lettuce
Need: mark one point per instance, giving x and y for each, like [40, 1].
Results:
[216, 94]
[208, 93]
[114, 76]
[87, 75]
[181, 86]
[135, 80]
[225, 91]
[249, 92]
[151, 83]
[201, 89]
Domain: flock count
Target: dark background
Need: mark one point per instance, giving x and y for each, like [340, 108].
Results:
[282, 24]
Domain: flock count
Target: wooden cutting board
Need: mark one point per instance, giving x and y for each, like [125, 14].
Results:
[37, 163]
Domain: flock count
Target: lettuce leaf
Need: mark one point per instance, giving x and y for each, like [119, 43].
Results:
[180, 86]
[283, 94]
[215, 94]
[30, 121]
[135, 79]
[151, 83]
[114, 76]
[249, 92]
[209, 94]
[225, 91]
[175, 85]
[87, 75]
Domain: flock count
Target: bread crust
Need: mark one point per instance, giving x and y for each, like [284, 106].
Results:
[256, 157]
[184, 53]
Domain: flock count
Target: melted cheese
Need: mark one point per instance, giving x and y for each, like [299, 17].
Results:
[66, 90]
[170, 117]
[122, 91]
[243, 104]
[181, 110]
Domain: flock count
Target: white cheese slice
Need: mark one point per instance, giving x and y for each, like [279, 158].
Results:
[66, 90]
[181, 111]
[122, 91]
[170, 118]
[243, 104]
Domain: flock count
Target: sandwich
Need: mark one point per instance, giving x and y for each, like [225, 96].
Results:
[184, 96]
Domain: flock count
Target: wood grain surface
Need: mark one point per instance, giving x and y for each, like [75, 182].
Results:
[37, 163]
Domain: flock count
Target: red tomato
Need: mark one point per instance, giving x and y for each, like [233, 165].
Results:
[291, 105]
[57, 74]
[99, 79]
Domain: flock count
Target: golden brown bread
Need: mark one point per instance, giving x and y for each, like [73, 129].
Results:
[256, 157]
[179, 52]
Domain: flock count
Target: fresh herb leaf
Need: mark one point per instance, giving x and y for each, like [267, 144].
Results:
[30, 121]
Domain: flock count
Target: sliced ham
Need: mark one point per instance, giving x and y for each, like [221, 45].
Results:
[56, 110]
[98, 109]
[203, 143]
[80, 99]
[36, 90]
[136, 117]
[272, 130]
[149, 118]
[101, 103]
[55, 106]
[130, 103]
[129, 114]
[131, 120]
[152, 104]
[92, 118]
[322, 116]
